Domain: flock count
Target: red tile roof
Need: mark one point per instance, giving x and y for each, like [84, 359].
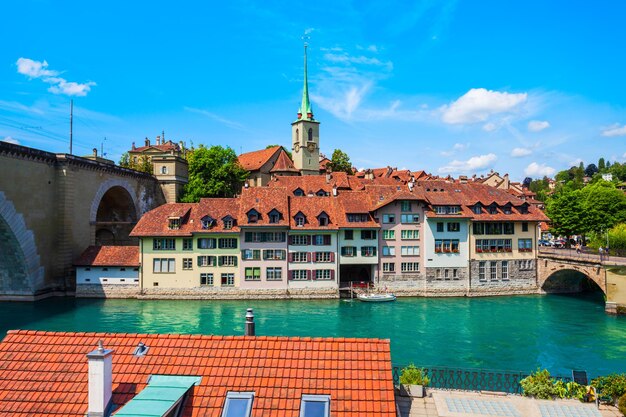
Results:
[264, 200]
[253, 161]
[165, 147]
[283, 163]
[46, 373]
[109, 256]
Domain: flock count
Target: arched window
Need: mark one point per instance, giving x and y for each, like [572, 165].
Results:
[297, 133]
[164, 170]
[310, 135]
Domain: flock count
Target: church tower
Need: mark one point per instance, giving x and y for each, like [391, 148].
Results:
[305, 134]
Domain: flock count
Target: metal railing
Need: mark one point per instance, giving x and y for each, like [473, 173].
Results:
[473, 379]
[614, 256]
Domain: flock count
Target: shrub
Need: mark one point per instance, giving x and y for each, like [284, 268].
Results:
[621, 404]
[539, 385]
[412, 375]
[613, 385]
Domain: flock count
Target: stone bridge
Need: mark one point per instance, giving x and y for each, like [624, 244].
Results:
[52, 206]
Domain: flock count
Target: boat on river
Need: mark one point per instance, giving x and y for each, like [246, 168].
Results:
[376, 298]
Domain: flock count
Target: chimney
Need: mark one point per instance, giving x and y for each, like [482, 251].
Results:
[410, 186]
[95, 152]
[133, 148]
[328, 177]
[250, 323]
[158, 140]
[334, 190]
[100, 381]
[147, 142]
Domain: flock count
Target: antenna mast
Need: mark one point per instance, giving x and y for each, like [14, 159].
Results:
[71, 123]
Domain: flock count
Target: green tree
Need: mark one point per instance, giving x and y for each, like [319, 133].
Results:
[565, 211]
[144, 164]
[603, 206]
[590, 170]
[213, 172]
[125, 160]
[601, 165]
[340, 162]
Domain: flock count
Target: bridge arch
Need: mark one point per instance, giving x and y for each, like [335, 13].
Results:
[551, 270]
[114, 212]
[21, 272]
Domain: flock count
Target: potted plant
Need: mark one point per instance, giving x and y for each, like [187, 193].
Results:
[413, 381]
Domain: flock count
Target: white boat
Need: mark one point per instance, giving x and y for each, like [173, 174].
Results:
[376, 298]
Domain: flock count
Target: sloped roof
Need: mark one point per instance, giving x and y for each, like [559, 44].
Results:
[109, 256]
[264, 200]
[46, 373]
[283, 163]
[253, 161]
[312, 207]
[164, 147]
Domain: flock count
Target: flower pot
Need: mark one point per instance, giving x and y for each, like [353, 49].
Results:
[415, 391]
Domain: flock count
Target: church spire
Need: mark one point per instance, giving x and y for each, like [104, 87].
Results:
[305, 112]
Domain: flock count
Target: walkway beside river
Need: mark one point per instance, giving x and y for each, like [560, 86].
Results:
[441, 403]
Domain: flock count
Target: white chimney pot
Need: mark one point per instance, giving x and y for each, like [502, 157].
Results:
[100, 381]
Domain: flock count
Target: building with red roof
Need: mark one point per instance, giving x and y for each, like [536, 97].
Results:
[108, 271]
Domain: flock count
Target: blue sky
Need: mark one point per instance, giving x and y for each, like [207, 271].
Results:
[454, 87]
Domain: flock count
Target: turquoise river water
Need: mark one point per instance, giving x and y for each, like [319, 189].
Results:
[519, 333]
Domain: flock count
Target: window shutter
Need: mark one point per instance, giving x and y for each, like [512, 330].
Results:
[314, 239]
[326, 239]
[291, 240]
[220, 261]
[308, 256]
[290, 275]
[332, 274]
[308, 274]
[290, 256]
[199, 263]
[308, 239]
[314, 256]
[332, 256]
[313, 275]
[235, 259]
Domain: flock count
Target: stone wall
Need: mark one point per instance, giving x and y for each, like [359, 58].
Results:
[520, 280]
[107, 291]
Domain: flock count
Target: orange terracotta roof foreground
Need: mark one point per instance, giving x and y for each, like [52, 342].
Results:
[109, 256]
[45, 373]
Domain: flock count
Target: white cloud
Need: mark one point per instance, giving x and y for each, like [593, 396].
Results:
[458, 147]
[38, 69]
[475, 163]
[344, 58]
[478, 104]
[536, 170]
[520, 152]
[538, 125]
[490, 127]
[9, 139]
[344, 104]
[614, 130]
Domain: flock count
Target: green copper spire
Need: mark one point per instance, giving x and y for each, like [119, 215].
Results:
[305, 112]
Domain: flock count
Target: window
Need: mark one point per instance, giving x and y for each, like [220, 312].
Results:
[525, 264]
[493, 245]
[389, 267]
[206, 243]
[227, 261]
[410, 218]
[447, 246]
[323, 219]
[164, 265]
[310, 135]
[274, 254]
[206, 260]
[505, 270]
[478, 228]
[454, 227]
[438, 274]
[410, 266]
[368, 251]
[321, 193]
[410, 250]
[315, 406]
[448, 209]
[523, 209]
[163, 169]
[509, 228]
[257, 237]
[324, 257]
[228, 280]
[411, 234]
[238, 404]
[321, 240]
[227, 243]
[187, 263]
[525, 245]
[298, 192]
[228, 223]
[253, 274]
[446, 274]
[525, 227]
[493, 209]
[164, 244]
[440, 226]
[368, 234]
[206, 279]
[389, 234]
[389, 251]
[348, 234]
[389, 218]
[493, 270]
[348, 251]
[481, 271]
[356, 218]
[300, 219]
[405, 206]
[274, 274]
[207, 222]
[274, 216]
[174, 223]
[324, 274]
[187, 244]
[299, 257]
[455, 273]
[299, 275]
[299, 240]
[253, 216]
[250, 254]
[477, 209]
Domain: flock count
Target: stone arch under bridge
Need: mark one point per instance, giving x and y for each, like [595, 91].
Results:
[114, 211]
[548, 268]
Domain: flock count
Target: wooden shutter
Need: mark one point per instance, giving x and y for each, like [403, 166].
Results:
[314, 256]
[332, 256]
[220, 261]
[308, 256]
[235, 260]
[308, 239]
[290, 256]
[308, 274]
[332, 274]
[290, 274]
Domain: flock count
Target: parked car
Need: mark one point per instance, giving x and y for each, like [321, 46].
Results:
[560, 243]
[545, 242]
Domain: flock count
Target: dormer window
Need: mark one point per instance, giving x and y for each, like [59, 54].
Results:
[253, 216]
[238, 404]
[523, 209]
[315, 406]
[207, 222]
[300, 219]
[493, 209]
[299, 192]
[274, 216]
[323, 219]
[477, 209]
[228, 222]
[507, 209]
[321, 193]
[174, 223]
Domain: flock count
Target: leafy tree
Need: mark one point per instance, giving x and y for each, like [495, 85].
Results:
[144, 164]
[601, 165]
[340, 162]
[125, 160]
[590, 170]
[527, 181]
[565, 211]
[603, 206]
[213, 172]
